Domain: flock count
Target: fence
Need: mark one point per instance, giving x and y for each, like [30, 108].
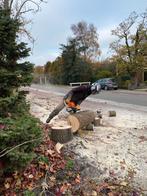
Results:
[73, 84]
[47, 79]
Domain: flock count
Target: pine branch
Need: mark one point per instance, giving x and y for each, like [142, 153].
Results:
[26, 142]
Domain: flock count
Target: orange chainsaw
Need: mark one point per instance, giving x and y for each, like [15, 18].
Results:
[71, 106]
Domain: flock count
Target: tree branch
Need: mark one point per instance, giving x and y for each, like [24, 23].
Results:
[26, 142]
[128, 47]
[22, 5]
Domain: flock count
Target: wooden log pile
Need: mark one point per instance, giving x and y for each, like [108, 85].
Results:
[84, 120]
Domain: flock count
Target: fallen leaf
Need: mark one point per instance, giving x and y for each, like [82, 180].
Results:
[63, 188]
[50, 152]
[7, 185]
[93, 193]
[123, 183]
[78, 179]
[30, 176]
[30, 186]
[18, 183]
[111, 194]
[52, 178]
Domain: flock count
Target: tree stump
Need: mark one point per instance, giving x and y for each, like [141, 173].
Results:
[97, 122]
[81, 119]
[111, 113]
[61, 134]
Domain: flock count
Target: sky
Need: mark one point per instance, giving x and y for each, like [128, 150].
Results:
[51, 25]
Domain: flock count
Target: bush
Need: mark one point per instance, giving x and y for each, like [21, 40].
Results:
[15, 131]
[104, 74]
[126, 84]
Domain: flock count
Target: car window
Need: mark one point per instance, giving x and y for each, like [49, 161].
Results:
[113, 80]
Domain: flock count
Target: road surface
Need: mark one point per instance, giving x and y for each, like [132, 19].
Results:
[130, 98]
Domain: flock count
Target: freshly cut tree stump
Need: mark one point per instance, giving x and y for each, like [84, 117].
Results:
[61, 134]
[111, 113]
[97, 122]
[81, 119]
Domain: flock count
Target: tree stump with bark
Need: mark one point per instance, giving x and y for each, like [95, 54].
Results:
[111, 113]
[97, 122]
[61, 134]
[81, 119]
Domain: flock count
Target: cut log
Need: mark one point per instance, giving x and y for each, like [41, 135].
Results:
[81, 119]
[111, 113]
[89, 127]
[61, 134]
[97, 122]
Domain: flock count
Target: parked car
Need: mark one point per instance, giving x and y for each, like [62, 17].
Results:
[107, 83]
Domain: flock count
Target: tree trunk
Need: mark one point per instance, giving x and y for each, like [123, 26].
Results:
[81, 119]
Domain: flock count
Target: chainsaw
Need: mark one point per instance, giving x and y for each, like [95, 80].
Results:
[71, 107]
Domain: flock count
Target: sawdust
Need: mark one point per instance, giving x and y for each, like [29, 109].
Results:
[114, 148]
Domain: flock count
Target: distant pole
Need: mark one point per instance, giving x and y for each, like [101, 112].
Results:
[45, 79]
[40, 80]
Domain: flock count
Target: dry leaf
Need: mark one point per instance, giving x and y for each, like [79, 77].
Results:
[30, 176]
[50, 152]
[63, 188]
[93, 193]
[18, 182]
[52, 178]
[123, 183]
[111, 194]
[7, 185]
[78, 180]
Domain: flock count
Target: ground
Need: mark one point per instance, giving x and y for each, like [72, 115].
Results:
[116, 149]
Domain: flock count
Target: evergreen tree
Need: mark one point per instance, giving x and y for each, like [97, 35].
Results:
[16, 124]
[74, 68]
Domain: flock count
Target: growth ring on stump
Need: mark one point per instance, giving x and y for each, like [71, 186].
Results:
[81, 119]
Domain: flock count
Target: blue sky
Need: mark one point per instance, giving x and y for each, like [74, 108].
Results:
[51, 26]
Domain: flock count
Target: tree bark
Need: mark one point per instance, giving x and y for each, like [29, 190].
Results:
[81, 119]
[61, 134]
[111, 113]
[97, 122]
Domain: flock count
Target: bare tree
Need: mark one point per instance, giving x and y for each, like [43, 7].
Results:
[19, 7]
[130, 45]
[18, 10]
[87, 37]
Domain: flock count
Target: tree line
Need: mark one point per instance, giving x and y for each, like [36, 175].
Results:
[79, 59]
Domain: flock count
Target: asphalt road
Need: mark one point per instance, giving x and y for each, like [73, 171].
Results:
[135, 98]
[120, 96]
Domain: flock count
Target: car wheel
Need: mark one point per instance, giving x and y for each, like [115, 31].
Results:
[106, 88]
